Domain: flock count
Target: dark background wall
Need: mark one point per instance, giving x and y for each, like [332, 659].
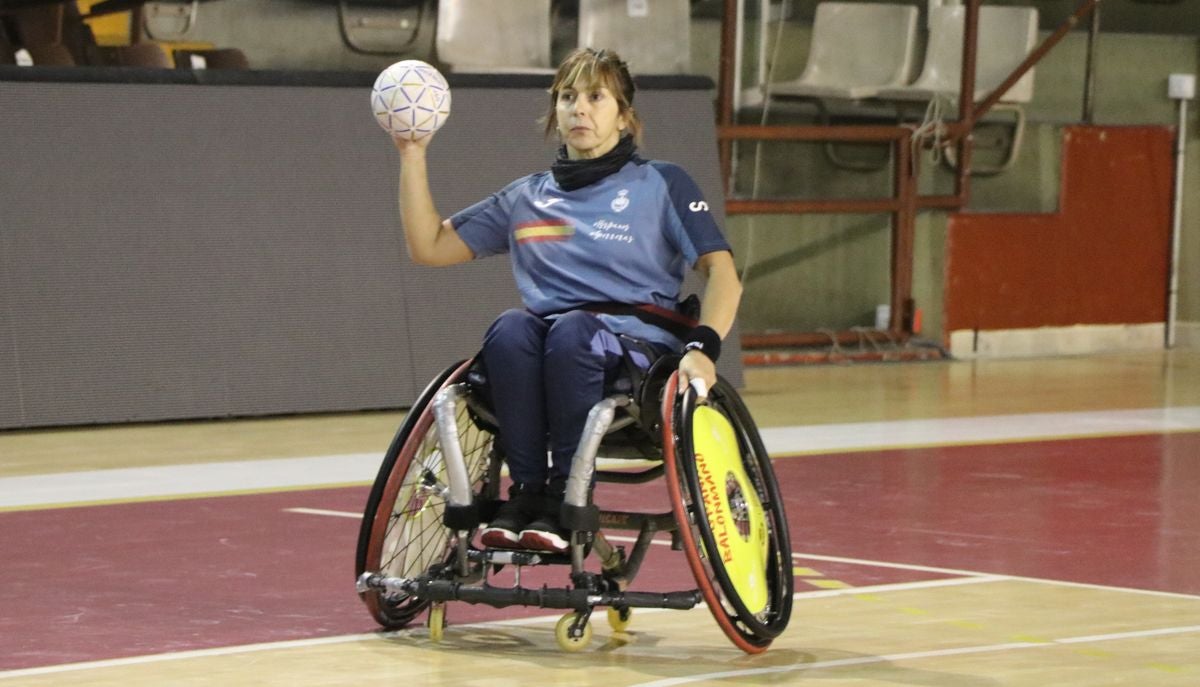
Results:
[183, 251]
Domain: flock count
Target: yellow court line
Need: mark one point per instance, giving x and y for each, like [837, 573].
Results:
[828, 584]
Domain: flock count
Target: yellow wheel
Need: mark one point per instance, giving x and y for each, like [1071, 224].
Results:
[437, 621]
[562, 634]
[727, 504]
[618, 619]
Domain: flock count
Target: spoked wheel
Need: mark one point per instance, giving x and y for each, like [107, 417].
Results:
[730, 514]
[402, 534]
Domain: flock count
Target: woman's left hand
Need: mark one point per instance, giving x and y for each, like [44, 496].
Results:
[696, 366]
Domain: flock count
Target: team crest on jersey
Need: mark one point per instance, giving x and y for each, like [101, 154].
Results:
[621, 201]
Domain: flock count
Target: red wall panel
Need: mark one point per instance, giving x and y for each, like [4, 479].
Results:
[1101, 259]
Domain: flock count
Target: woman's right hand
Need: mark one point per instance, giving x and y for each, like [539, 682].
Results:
[404, 144]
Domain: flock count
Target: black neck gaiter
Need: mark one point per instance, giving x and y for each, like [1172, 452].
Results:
[572, 174]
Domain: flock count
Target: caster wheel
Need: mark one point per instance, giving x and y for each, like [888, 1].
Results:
[437, 621]
[562, 634]
[618, 619]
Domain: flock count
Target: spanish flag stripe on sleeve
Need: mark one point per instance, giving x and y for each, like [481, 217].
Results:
[529, 232]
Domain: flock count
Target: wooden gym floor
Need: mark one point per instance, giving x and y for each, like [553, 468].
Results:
[955, 524]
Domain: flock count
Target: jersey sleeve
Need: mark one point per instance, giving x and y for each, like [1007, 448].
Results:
[699, 233]
[484, 226]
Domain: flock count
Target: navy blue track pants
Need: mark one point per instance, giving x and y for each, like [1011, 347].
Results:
[545, 375]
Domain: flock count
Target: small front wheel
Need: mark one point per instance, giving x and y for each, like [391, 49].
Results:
[437, 621]
[618, 618]
[568, 641]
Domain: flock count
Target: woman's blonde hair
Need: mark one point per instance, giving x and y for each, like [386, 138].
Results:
[592, 67]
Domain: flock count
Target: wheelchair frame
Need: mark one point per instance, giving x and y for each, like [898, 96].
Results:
[436, 502]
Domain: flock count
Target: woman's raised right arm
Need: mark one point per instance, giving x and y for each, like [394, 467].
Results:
[430, 239]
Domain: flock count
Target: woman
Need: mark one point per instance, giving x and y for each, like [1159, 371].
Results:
[599, 233]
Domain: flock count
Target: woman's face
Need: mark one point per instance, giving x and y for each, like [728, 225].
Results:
[589, 120]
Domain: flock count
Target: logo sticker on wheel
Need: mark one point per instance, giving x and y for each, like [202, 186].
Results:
[732, 508]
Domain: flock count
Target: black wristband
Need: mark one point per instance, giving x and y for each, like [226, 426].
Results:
[704, 339]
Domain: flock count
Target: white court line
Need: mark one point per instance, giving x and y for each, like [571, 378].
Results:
[954, 571]
[860, 436]
[186, 480]
[916, 655]
[1087, 639]
[900, 586]
[196, 653]
[873, 564]
[96, 486]
[342, 639]
[321, 511]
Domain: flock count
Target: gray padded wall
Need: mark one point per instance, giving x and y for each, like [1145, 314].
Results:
[173, 251]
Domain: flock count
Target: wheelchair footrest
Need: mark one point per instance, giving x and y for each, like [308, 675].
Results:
[546, 597]
[680, 601]
[551, 597]
[516, 557]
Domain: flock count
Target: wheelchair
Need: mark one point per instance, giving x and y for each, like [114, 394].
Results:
[440, 480]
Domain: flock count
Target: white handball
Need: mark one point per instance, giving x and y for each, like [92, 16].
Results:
[411, 100]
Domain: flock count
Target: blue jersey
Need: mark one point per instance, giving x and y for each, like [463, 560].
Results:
[626, 238]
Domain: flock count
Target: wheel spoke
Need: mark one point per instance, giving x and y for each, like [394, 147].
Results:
[414, 539]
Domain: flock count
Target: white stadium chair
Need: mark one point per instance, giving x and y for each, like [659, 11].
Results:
[494, 36]
[856, 50]
[652, 36]
[1006, 37]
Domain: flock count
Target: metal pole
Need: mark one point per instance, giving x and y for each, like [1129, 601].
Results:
[1177, 222]
[764, 9]
[966, 100]
[1089, 77]
[982, 108]
[903, 230]
[725, 86]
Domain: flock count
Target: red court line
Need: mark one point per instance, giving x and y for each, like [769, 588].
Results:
[141, 578]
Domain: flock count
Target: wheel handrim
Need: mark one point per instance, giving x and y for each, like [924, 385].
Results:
[408, 538]
[751, 632]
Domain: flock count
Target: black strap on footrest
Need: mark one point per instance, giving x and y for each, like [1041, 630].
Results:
[580, 518]
[461, 518]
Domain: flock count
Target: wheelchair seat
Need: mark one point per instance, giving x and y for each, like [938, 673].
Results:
[443, 469]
